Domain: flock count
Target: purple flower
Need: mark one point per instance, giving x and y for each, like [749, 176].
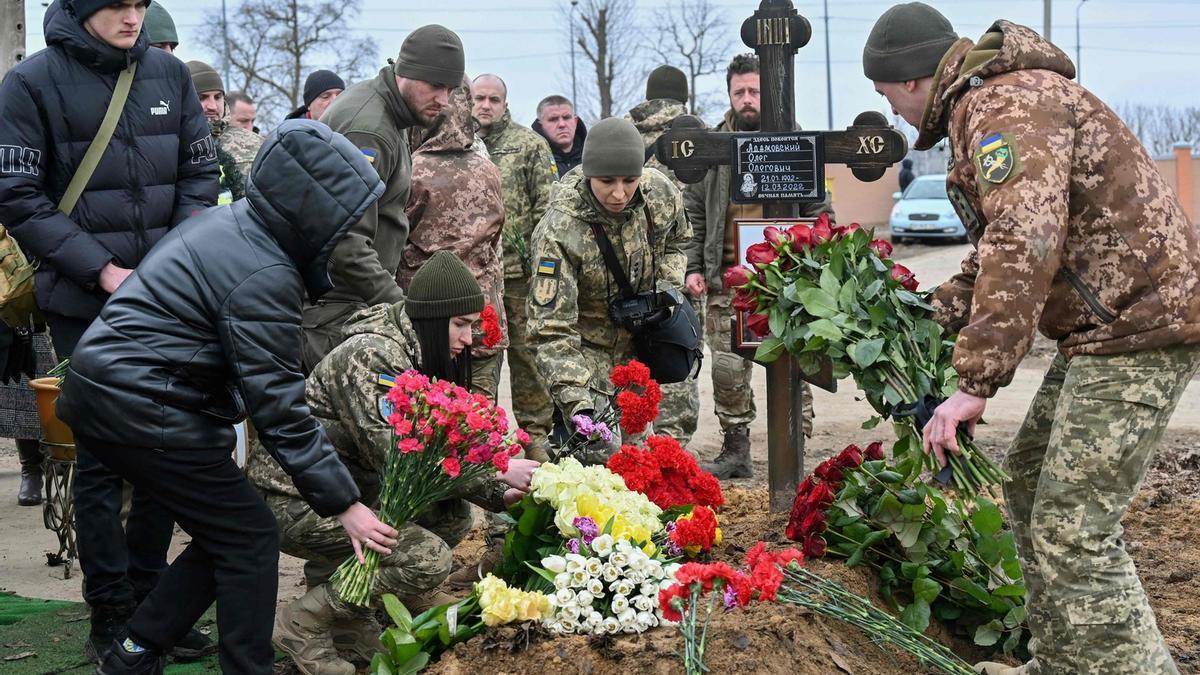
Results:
[673, 550]
[587, 528]
[604, 432]
[584, 425]
[573, 545]
[730, 597]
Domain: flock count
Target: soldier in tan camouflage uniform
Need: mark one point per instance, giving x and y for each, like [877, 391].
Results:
[575, 340]
[711, 251]
[454, 204]
[666, 95]
[239, 145]
[1077, 234]
[527, 172]
[346, 393]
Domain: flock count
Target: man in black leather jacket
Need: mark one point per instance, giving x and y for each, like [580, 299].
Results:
[206, 329]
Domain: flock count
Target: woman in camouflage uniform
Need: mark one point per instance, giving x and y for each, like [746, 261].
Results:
[575, 340]
[431, 331]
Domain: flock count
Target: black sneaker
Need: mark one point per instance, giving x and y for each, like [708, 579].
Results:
[108, 626]
[123, 658]
[194, 645]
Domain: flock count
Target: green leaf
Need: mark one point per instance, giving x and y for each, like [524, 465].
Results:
[872, 289]
[986, 635]
[818, 302]
[770, 350]
[414, 665]
[848, 296]
[916, 615]
[855, 558]
[398, 612]
[401, 645]
[910, 298]
[866, 352]
[1010, 591]
[909, 496]
[826, 329]
[945, 611]
[829, 282]
[987, 518]
[879, 315]
[889, 477]
[381, 665]
[1013, 641]
[872, 423]
[926, 589]
[989, 551]
[1015, 617]
[541, 572]
[777, 321]
[972, 589]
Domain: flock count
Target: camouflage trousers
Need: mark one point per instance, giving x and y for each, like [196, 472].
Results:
[419, 561]
[485, 374]
[1076, 464]
[679, 412]
[531, 404]
[733, 395]
[323, 324]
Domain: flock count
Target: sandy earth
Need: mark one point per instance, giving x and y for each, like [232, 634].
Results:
[1162, 520]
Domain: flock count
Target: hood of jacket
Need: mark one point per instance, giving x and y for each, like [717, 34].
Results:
[655, 115]
[63, 30]
[454, 129]
[576, 149]
[573, 196]
[1006, 47]
[308, 185]
[389, 322]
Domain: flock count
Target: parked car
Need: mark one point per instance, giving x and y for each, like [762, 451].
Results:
[923, 211]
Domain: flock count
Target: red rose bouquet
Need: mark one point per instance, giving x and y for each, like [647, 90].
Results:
[667, 474]
[442, 436]
[822, 293]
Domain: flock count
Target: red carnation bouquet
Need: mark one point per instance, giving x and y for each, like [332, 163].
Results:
[667, 474]
[693, 533]
[489, 322]
[638, 397]
[442, 436]
[830, 294]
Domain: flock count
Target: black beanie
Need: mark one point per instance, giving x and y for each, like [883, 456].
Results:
[432, 54]
[443, 288]
[667, 82]
[318, 82]
[907, 43]
[82, 9]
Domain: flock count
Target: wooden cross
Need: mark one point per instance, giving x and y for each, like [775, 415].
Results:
[781, 167]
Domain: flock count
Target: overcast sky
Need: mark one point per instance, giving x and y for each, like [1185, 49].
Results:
[1132, 50]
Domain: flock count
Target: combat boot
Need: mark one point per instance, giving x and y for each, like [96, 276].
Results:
[302, 630]
[123, 658]
[107, 627]
[466, 576]
[734, 460]
[415, 604]
[993, 668]
[358, 637]
[30, 492]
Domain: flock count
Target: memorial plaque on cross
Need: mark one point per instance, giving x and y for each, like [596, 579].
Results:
[780, 167]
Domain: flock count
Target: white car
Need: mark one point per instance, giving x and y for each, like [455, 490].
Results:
[924, 211]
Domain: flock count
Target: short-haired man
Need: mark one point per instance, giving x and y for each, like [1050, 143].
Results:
[1076, 234]
[236, 147]
[562, 128]
[321, 87]
[710, 253]
[527, 172]
[52, 104]
[243, 112]
[160, 28]
[375, 115]
[666, 99]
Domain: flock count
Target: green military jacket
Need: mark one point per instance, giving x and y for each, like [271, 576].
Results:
[241, 145]
[652, 118]
[346, 393]
[373, 116]
[527, 171]
[575, 342]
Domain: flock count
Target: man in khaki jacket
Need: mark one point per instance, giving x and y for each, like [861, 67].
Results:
[375, 115]
[1076, 234]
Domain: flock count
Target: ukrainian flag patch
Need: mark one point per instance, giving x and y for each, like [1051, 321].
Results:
[385, 380]
[370, 154]
[991, 143]
[547, 267]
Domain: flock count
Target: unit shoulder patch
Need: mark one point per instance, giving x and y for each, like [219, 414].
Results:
[996, 161]
[546, 276]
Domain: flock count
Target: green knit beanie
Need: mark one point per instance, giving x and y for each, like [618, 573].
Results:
[667, 82]
[204, 77]
[613, 148]
[432, 54]
[443, 288]
[907, 43]
[159, 27]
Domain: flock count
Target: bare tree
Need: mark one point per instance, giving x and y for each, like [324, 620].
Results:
[693, 35]
[1160, 127]
[607, 37]
[274, 45]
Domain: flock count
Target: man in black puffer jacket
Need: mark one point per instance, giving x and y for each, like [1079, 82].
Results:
[158, 169]
[207, 328]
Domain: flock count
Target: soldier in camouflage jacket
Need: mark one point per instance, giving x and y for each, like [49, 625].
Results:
[1076, 234]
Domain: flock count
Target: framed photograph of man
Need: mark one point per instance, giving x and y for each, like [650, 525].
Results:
[748, 232]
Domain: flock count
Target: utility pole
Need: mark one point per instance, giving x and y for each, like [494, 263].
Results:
[224, 42]
[12, 33]
[574, 83]
[828, 73]
[1046, 16]
[1078, 49]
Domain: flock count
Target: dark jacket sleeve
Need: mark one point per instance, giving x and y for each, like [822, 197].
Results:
[196, 184]
[25, 208]
[259, 326]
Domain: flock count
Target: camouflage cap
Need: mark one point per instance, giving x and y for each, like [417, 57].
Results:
[907, 43]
